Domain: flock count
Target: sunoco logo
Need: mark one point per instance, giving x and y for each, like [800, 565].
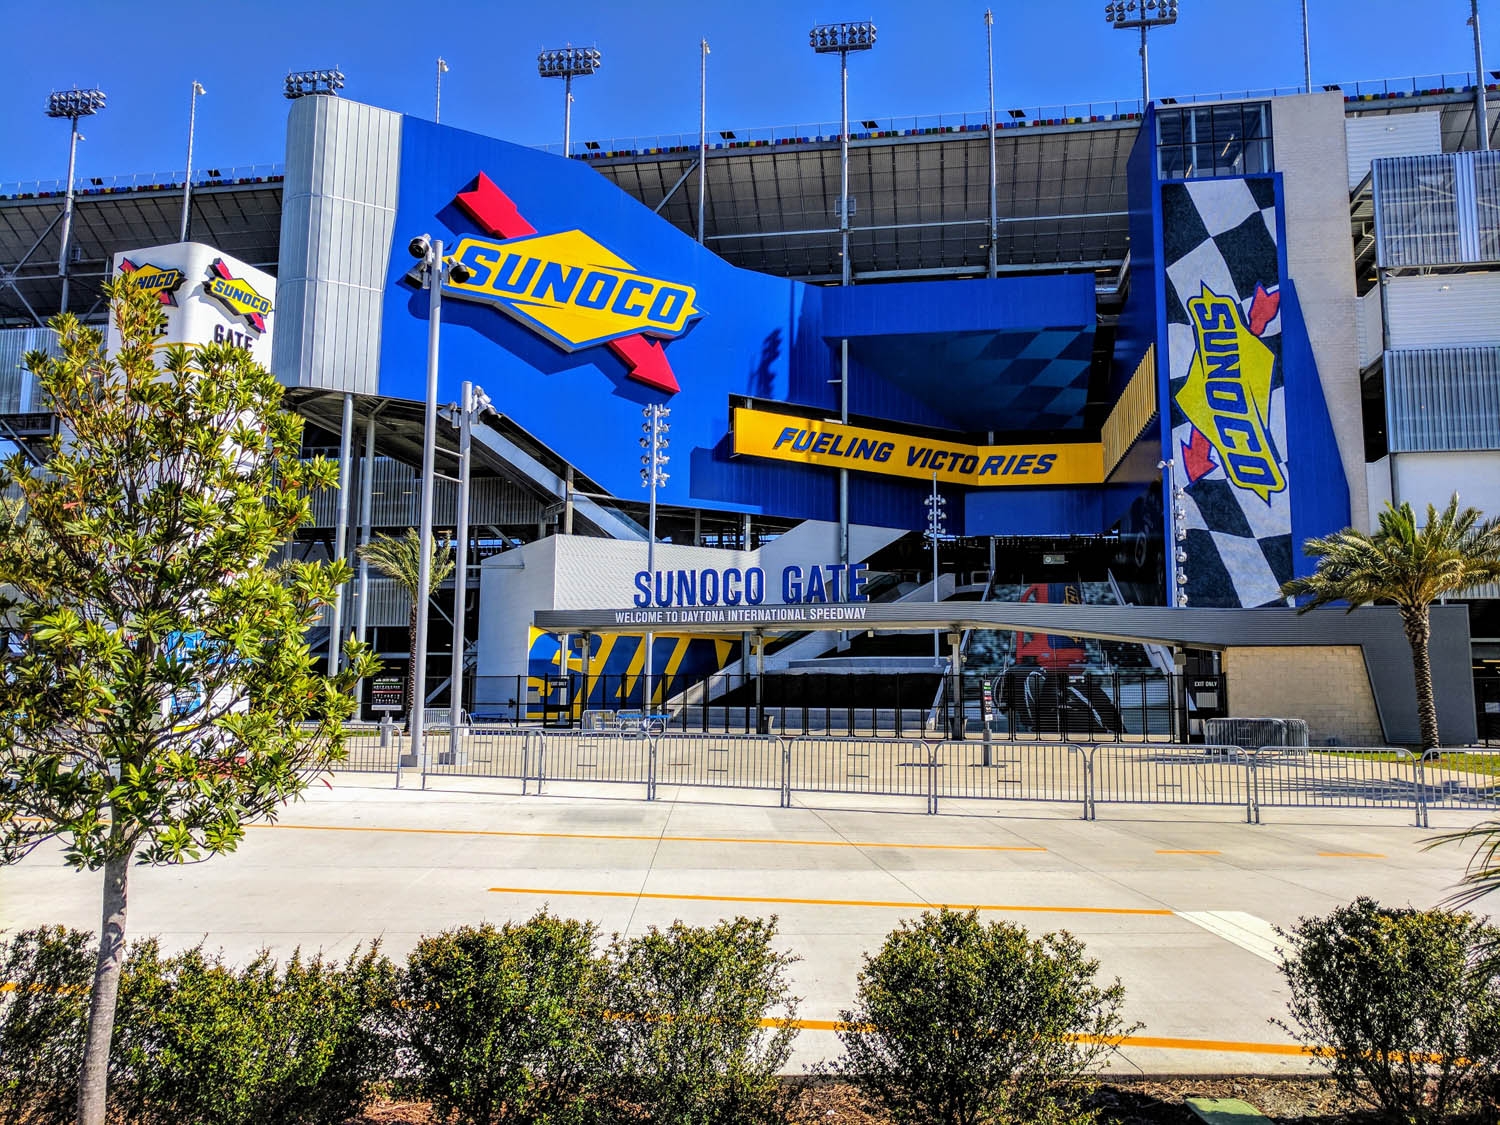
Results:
[160, 280]
[237, 295]
[1227, 396]
[572, 289]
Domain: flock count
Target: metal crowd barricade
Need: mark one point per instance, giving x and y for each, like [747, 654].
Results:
[719, 761]
[1169, 775]
[830, 764]
[483, 751]
[1011, 771]
[1351, 777]
[1457, 779]
[365, 752]
[596, 757]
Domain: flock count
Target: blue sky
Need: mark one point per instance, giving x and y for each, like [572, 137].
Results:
[929, 59]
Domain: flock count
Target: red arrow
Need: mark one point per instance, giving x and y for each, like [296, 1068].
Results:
[495, 213]
[1197, 457]
[1263, 309]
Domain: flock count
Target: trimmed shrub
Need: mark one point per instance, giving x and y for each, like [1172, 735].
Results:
[504, 1023]
[960, 1022]
[688, 1005]
[1407, 1000]
[200, 1041]
[48, 973]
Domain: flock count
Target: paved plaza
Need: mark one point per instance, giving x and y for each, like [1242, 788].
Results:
[1180, 903]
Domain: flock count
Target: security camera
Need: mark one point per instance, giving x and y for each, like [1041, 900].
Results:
[419, 247]
[459, 274]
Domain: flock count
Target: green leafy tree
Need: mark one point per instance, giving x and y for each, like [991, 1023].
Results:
[1410, 567]
[399, 557]
[158, 693]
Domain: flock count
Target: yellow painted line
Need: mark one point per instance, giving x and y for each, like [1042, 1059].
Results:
[1154, 1041]
[836, 902]
[1350, 855]
[1187, 851]
[651, 839]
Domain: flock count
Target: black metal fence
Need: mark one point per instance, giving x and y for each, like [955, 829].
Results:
[1022, 704]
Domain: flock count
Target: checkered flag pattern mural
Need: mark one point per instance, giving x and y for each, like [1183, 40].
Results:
[1230, 475]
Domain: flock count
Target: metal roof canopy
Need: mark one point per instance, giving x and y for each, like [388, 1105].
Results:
[1377, 630]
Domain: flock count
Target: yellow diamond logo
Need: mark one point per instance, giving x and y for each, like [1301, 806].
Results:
[571, 289]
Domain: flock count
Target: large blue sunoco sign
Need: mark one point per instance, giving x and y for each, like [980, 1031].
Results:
[578, 306]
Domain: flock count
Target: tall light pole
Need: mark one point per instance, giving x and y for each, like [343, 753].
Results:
[437, 100]
[71, 104]
[568, 63]
[472, 404]
[840, 39]
[653, 475]
[935, 528]
[435, 271]
[1306, 51]
[989, 45]
[1481, 114]
[187, 177]
[702, 133]
[1128, 15]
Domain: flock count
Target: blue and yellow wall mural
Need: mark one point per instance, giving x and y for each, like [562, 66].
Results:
[616, 666]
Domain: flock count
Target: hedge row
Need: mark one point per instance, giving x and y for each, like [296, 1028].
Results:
[955, 1021]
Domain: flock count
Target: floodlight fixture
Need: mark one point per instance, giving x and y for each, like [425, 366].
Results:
[75, 103]
[836, 38]
[568, 62]
[1128, 14]
[303, 83]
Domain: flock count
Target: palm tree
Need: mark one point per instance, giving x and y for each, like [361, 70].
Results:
[1409, 566]
[399, 557]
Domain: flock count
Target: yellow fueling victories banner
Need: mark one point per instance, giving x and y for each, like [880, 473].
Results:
[784, 437]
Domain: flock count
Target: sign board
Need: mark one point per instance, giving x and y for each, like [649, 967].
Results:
[388, 693]
[814, 441]
[209, 297]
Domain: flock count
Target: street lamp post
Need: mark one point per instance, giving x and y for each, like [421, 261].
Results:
[1306, 50]
[71, 104]
[702, 134]
[1481, 113]
[187, 177]
[1128, 15]
[935, 528]
[989, 41]
[568, 63]
[840, 39]
[437, 100]
[473, 403]
[435, 271]
[653, 475]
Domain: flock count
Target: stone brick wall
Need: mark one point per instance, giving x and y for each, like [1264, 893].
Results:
[1326, 685]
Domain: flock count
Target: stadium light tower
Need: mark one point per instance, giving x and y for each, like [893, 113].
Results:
[840, 39]
[568, 63]
[187, 176]
[72, 104]
[305, 83]
[1127, 15]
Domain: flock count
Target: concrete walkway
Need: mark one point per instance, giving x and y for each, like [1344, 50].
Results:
[1179, 903]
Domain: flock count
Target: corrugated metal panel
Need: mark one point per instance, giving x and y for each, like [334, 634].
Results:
[338, 214]
[18, 391]
[1442, 399]
[1369, 328]
[1443, 310]
[1437, 210]
[1405, 134]
[390, 604]
[396, 500]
